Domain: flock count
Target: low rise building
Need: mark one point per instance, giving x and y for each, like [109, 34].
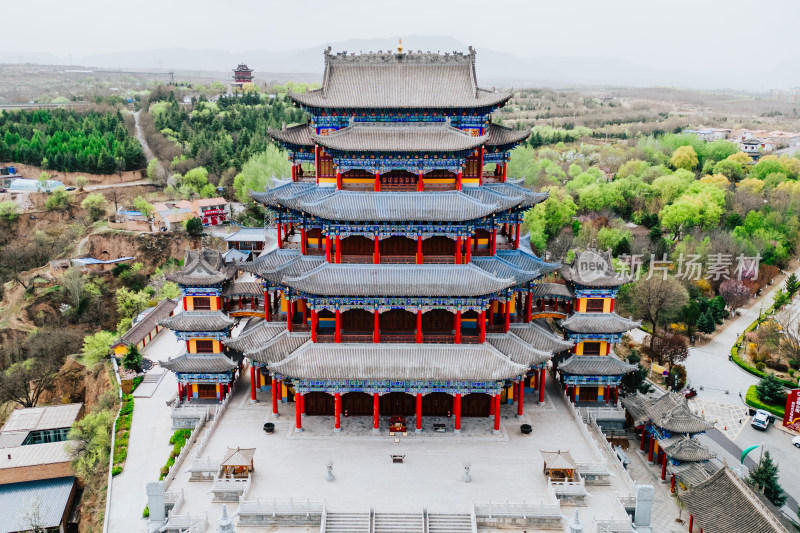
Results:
[145, 328]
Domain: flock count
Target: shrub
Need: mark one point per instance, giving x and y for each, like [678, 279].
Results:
[794, 364]
[761, 366]
[752, 399]
[146, 512]
[116, 470]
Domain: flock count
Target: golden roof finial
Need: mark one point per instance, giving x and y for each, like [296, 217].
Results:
[400, 46]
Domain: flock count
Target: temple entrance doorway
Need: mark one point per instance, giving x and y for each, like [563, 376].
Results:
[206, 390]
[475, 404]
[397, 404]
[357, 404]
[319, 403]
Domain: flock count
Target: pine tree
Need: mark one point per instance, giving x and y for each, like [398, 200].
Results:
[133, 358]
[705, 323]
[770, 390]
[765, 478]
[792, 285]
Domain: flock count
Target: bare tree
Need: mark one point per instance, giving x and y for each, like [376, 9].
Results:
[24, 382]
[656, 298]
[734, 293]
[668, 349]
[73, 282]
[33, 516]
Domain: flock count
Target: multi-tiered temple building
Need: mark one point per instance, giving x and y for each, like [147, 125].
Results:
[400, 285]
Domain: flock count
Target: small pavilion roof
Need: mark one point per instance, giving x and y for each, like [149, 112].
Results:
[540, 336]
[198, 321]
[723, 503]
[520, 265]
[598, 323]
[500, 136]
[238, 457]
[299, 135]
[254, 336]
[280, 264]
[243, 288]
[399, 137]
[139, 330]
[594, 269]
[686, 449]
[202, 268]
[558, 460]
[691, 474]
[333, 204]
[544, 290]
[517, 349]
[669, 411]
[414, 80]
[194, 363]
[406, 362]
[595, 365]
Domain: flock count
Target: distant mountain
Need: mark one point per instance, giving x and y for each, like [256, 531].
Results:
[494, 67]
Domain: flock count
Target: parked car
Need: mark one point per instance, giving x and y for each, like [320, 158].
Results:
[690, 392]
[762, 420]
[796, 441]
[69, 189]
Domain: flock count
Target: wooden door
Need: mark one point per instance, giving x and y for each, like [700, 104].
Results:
[475, 404]
[206, 390]
[587, 394]
[357, 404]
[357, 321]
[319, 403]
[437, 404]
[357, 245]
[437, 321]
[398, 320]
[399, 246]
[397, 404]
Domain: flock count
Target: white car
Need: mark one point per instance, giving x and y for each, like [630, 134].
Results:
[761, 420]
[796, 441]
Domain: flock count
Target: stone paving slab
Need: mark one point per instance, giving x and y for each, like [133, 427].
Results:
[728, 418]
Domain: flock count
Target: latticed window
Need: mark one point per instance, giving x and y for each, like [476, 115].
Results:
[591, 348]
[202, 303]
[204, 346]
[594, 305]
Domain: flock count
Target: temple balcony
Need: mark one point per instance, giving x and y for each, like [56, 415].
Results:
[402, 337]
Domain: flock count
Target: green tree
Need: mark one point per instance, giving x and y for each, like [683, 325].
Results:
[80, 182]
[58, 201]
[770, 390]
[657, 299]
[132, 359]
[258, 171]
[143, 206]
[95, 204]
[9, 211]
[24, 382]
[765, 479]
[730, 169]
[706, 323]
[169, 290]
[635, 382]
[684, 157]
[689, 314]
[131, 303]
[792, 284]
[96, 346]
[91, 442]
[42, 182]
[194, 226]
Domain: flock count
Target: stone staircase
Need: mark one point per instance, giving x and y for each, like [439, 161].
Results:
[449, 523]
[373, 522]
[347, 523]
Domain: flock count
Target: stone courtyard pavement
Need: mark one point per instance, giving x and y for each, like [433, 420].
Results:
[729, 418]
[505, 467]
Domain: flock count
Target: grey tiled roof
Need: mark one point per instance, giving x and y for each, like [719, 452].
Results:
[595, 365]
[139, 331]
[531, 198]
[246, 234]
[198, 321]
[201, 268]
[399, 137]
[726, 504]
[278, 265]
[398, 280]
[517, 349]
[193, 363]
[685, 448]
[669, 411]
[520, 265]
[253, 337]
[442, 362]
[332, 204]
[598, 323]
[392, 81]
[279, 347]
[602, 275]
[544, 290]
[502, 136]
[243, 288]
[299, 135]
[540, 337]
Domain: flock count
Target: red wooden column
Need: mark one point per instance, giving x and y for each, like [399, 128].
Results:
[516, 237]
[652, 445]
[520, 397]
[180, 392]
[468, 248]
[644, 435]
[337, 411]
[540, 384]
[274, 397]
[606, 394]
[376, 256]
[664, 467]
[491, 313]
[278, 227]
[457, 324]
[305, 311]
[507, 307]
[419, 412]
[691, 522]
[313, 325]
[493, 239]
[327, 248]
[528, 306]
[505, 169]
[338, 179]
[482, 326]
[303, 243]
[496, 400]
[289, 309]
[376, 418]
[377, 187]
[376, 327]
[612, 305]
[338, 249]
[420, 183]
[457, 412]
[316, 163]
[337, 334]
[459, 176]
[298, 412]
[458, 250]
[419, 249]
[267, 304]
[419, 326]
[252, 382]
[491, 405]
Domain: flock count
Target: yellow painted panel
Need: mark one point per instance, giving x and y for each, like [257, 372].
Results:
[483, 241]
[121, 350]
[513, 304]
[509, 393]
[283, 302]
[189, 303]
[313, 241]
[581, 305]
[469, 181]
[358, 180]
[328, 180]
[606, 305]
[579, 349]
[438, 180]
[601, 391]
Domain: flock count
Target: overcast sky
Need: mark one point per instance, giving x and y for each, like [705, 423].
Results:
[685, 34]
